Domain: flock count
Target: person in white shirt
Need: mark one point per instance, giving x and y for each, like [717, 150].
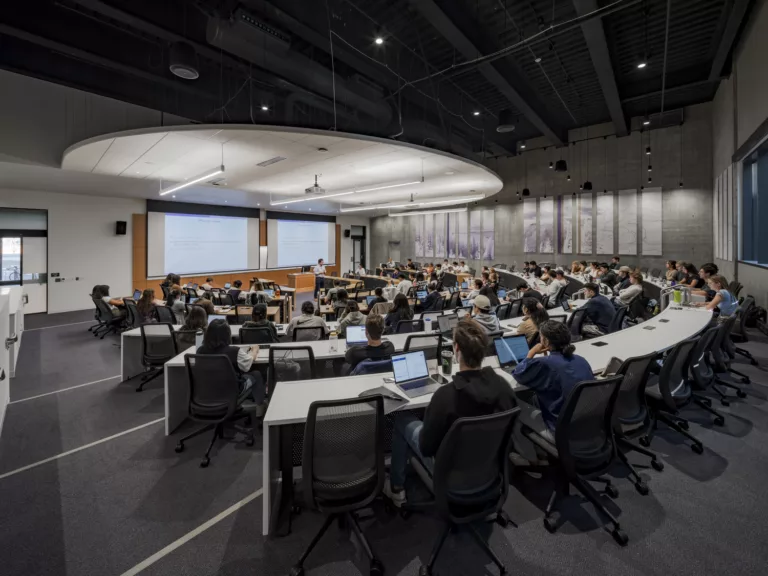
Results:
[208, 285]
[463, 267]
[446, 266]
[389, 263]
[554, 287]
[360, 270]
[628, 294]
[319, 271]
[405, 285]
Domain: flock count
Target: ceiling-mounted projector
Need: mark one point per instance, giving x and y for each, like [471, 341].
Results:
[315, 189]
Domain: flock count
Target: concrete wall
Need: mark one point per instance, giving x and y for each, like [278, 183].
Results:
[613, 164]
[739, 108]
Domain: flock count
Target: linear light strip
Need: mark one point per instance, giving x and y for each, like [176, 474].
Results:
[428, 212]
[414, 204]
[195, 180]
[388, 186]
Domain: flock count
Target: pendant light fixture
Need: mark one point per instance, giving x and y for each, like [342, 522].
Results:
[605, 164]
[587, 183]
[641, 160]
[526, 192]
[681, 154]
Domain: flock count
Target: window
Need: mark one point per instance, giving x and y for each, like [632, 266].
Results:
[754, 206]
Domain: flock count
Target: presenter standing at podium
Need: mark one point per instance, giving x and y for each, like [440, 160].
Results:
[319, 271]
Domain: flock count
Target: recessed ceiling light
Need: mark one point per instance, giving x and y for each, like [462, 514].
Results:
[258, 203]
[310, 209]
[476, 113]
[265, 108]
[642, 64]
[379, 40]
[522, 145]
[646, 121]
[537, 60]
[225, 201]
[174, 196]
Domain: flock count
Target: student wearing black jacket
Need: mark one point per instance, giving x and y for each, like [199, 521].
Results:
[474, 391]
[375, 349]
[401, 310]
[433, 301]
[259, 320]
[599, 312]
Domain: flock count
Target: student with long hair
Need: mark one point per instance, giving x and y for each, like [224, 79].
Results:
[400, 310]
[534, 315]
[146, 306]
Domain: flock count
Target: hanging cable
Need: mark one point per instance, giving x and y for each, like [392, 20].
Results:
[333, 66]
[664, 67]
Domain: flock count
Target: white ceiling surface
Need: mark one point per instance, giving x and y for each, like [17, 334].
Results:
[351, 161]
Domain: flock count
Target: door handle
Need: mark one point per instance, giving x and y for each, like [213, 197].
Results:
[12, 340]
[25, 297]
[2, 374]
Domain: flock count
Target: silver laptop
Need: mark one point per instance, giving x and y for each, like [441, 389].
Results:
[412, 375]
[356, 335]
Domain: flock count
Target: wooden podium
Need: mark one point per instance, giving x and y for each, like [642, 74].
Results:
[302, 281]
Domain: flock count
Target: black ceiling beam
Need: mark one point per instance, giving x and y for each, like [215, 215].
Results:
[594, 35]
[672, 90]
[508, 81]
[728, 38]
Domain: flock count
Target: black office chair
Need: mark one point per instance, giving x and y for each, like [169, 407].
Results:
[159, 346]
[243, 314]
[618, 320]
[408, 326]
[632, 418]
[166, 290]
[739, 331]
[721, 359]
[470, 482]
[431, 344]
[216, 297]
[574, 323]
[256, 335]
[490, 350]
[502, 311]
[372, 367]
[308, 334]
[671, 391]
[184, 339]
[454, 301]
[215, 399]
[515, 308]
[343, 466]
[584, 447]
[165, 315]
[110, 322]
[226, 299]
[703, 376]
[133, 316]
[192, 293]
[558, 318]
[96, 316]
[290, 363]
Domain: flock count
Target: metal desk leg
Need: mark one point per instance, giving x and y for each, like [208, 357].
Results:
[283, 499]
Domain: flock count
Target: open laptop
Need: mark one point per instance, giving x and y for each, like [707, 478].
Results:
[227, 286]
[193, 300]
[192, 285]
[566, 305]
[356, 335]
[501, 293]
[421, 295]
[461, 313]
[465, 285]
[270, 293]
[412, 375]
[466, 303]
[370, 300]
[510, 350]
[446, 324]
[137, 295]
[212, 317]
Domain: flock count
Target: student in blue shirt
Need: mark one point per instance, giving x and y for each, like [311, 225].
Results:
[723, 300]
[550, 371]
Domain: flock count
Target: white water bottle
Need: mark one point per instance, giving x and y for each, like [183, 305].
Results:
[333, 342]
[198, 338]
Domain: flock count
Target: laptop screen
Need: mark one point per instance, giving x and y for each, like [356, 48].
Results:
[356, 335]
[447, 323]
[465, 285]
[511, 349]
[409, 366]
[566, 306]
[137, 295]
[461, 313]
[213, 317]
[227, 286]
[466, 303]
[421, 295]
[501, 294]
[270, 293]
[370, 300]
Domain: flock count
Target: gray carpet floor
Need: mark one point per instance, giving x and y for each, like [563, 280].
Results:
[104, 509]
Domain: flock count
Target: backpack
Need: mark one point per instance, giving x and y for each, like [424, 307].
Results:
[754, 315]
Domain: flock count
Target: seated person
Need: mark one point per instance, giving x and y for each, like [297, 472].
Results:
[607, 275]
[692, 277]
[206, 305]
[196, 320]
[723, 300]
[360, 270]
[599, 312]
[379, 293]
[671, 273]
[376, 349]
[551, 376]
[554, 287]
[681, 271]
[634, 289]
[526, 267]
[534, 269]
[439, 271]
[306, 320]
[594, 270]
[410, 265]
[534, 315]
[490, 293]
[400, 311]
[705, 273]
[615, 263]
[102, 292]
[168, 282]
[481, 313]
[622, 279]
[218, 340]
[463, 267]
[332, 293]
[342, 297]
[478, 284]
[547, 275]
[176, 305]
[146, 307]
[474, 391]
[433, 301]
[350, 316]
[405, 284]
[389, 263]
[576, 268]
[259, 320]
[493, 282]
[237, 288]
[208, 286]
[420, 283]
[527, 292]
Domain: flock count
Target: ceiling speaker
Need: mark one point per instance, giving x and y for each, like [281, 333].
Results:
[506, 122]
[183, 61]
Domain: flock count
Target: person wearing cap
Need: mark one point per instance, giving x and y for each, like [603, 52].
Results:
[607, 276]
[622, 279]
[554, 287]
[483, 315]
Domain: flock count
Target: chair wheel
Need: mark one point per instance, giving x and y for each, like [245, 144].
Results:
[753, 361]
[645, 441]
[549, 525]
[502, 519]
[376, 569]
[405, 514]
[295, 510]
[204, 462]
[297, 571]
[741, 394]
[642, 488]
[746, 380]
[424, 571]
[620, 537]
[719, 421]
[612, 491]
[249, 441]
[657, 465]
[179, 447]
[683, 424]
[698, 448]
[725, 402]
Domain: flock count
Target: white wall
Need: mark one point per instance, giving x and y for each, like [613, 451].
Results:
[346, 222]
[82, 243]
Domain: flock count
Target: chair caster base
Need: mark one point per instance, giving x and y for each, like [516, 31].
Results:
[683, 424]
[377, 568]
[719, 421]
[741, 394]
[642, 488]
[297, 571]
[620, 536]
[645, 441]
[205, 462]
[550, 525]
[425, 571]
[179, 447]
[725, 402]
[657, 465]
[612, 491]
[698, 448]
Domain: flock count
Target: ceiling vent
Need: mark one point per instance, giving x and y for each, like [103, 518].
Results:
[271, 161]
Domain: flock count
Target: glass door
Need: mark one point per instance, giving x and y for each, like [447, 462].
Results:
[10, 261]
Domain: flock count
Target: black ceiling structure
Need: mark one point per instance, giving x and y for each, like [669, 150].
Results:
[442, 74]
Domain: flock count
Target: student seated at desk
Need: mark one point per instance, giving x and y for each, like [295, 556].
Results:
[705, 273]
[477, 284]
[237, 287]
[208, 286]
[342, 297]
[379, 293]
[259, 320]
[146, 307]
[634, 289]
[333, 292]
[170, 280]
[527, 292]
[607, 276]
[672, 274]
[101, 291]
[376, 349]
[576, 268]
[218, 340]
[482, 314]
[410, 265]
[405, 285]
[438, 272]
[474, 391]
[389, 263]
[534, 315]
[622, 279]
[615, 263]
[433, 301]
[550, 377]
[490, 293]
[197, 319]
[360, 270]
[206, 305]
[555, 286]
[173, 301]
[350, 316]
[725, 302]
[599, 312]
[692, 277]
[463, 267]
[534, 269]
[306, 320]
[400, 310]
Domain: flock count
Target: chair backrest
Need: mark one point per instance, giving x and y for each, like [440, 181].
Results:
[471, 473]
[343, 459]
[165, 290]
[192, 293]
[559, 296]
[287, 363]
[255, 335]
[214, 387]
[226, 299]
[134, 318]
[454, 301]
[159, 343]
[216, 297]
[165, 315]
[558, 317]
[584, 429]
[700, 364]
[515, 308]
[631, 406]
[673, 378]
[490, 350]
[719, 347]
[431, 344]
[308, 333]
[184, 338]
[372, 367]
[502, 311]
[105, 312]
[618, 320]
[576, 320]
[740, 327]
[655, 273]
[243, 314]
[408, 326]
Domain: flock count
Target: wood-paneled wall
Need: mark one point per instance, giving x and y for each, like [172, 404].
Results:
[141, 281]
